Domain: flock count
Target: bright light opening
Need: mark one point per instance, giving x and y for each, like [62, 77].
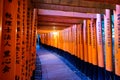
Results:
[55, 33]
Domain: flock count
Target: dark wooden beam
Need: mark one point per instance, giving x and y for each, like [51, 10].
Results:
[77, 3]
[59, 19]
[70, 8]
[106, 1]
[51, 27]
[53, 24]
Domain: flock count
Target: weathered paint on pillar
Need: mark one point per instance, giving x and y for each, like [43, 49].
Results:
[117, 39]
[8, 53]
[99, 41]
[93, 42]
[89, 41]
[1, 13]
[85, 40]
[108, 40]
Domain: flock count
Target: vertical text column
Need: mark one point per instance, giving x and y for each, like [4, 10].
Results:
[8, 53]
[117, 40]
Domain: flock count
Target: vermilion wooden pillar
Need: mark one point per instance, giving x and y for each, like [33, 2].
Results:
[34, 29]
[8, 53]
[108, 45]
[101, 67]
[74, 39]
[93, 42]
[24, 32]
[19, 39]
[108, 40]
[89, 41]
[81, 42]
[78, 41]
[1, 13]
[28, 40]
[117, 40]
[99, 41]
[85, 40]
[31, 37]
[70, 38]
[94, 49]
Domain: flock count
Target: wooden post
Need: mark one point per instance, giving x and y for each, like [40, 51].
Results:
[81, 42]
[117, 40]
[24, 39]
[108, 41]
[78, 40]
[85, 41]
[70, 37]
[1, 14]
[8, 53]
[99, 42]
[108, 45]
[94, 49]
[89, 41]
[74, 39]
[93, 42]
[34, 29]
[19, 39]
[100, 48]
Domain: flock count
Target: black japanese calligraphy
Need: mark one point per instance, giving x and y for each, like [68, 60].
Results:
[6, 69]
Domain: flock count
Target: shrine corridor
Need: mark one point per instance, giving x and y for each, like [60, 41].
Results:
[79, 39]
[55, 67]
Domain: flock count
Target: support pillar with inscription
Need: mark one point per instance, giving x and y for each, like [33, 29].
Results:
[94, 49]
[101, 72]
[24, 31]
[108, 44]
[85, 45]
[89, 47]
[19, 40]
[9, 27]
[117, 41]
[89, 41]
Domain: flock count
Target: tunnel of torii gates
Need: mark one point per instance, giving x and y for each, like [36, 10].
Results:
[18, 29]
[85, 41]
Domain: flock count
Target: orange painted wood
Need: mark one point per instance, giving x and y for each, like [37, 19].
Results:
[24, 40]
[78, 41]
[99, 41]
[77, 44]
[33, 43]
[89, 41]
[8, 52]
[85, 40]
[108, 40]
[1, 13]
[19, 39]
[70, 37]
[81, 42]
[117, 37]
[74, 39]
[93, 42]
